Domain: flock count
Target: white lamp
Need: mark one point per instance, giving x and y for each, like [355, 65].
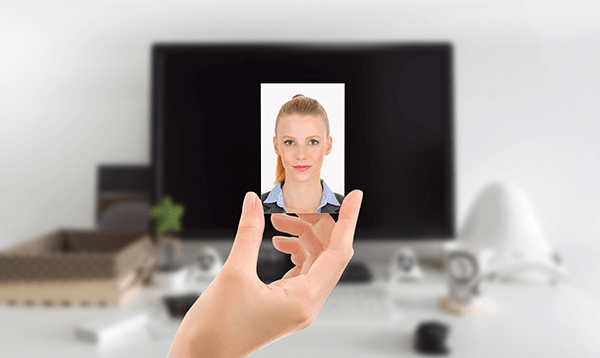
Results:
[503, 219]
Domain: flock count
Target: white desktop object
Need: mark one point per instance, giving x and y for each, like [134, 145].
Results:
[113, 326]
[405, 267]
[207, 265]
[468, 266]
[172, 281]
[502, 218]
[404, 274]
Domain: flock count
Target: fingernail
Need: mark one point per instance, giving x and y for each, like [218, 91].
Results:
[249, 202]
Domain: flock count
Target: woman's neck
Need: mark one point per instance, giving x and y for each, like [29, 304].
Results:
[302, 197]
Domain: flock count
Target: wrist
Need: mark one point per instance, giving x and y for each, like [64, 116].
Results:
[206, 342]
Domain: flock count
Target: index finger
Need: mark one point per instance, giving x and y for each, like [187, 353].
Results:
[329, 266]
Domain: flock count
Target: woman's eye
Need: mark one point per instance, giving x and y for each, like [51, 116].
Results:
[288, 142]
[314, 142]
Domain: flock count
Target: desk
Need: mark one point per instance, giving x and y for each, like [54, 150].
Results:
[530, 321]
[540, 321]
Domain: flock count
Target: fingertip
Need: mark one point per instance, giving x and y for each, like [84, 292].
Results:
[259, 206]
[249, 202]
[276, 218]
[352, 203]
[358, 193]
[252, 212]
[252, 202]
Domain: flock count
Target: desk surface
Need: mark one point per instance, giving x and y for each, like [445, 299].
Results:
[533, 320]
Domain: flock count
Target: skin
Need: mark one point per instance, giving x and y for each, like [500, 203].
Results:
[238, 314]
[302, 140]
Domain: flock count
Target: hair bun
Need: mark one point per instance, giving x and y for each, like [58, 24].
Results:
[299, 95]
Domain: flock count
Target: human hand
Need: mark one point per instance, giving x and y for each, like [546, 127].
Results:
[238, 314]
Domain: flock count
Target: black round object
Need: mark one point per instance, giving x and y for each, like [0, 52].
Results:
[432, 338]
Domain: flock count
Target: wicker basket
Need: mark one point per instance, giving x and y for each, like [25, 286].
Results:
[70, 266]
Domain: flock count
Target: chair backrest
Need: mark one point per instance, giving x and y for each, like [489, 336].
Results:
[126, 215]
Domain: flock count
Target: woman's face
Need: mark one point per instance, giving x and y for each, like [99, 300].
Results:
[302, 143]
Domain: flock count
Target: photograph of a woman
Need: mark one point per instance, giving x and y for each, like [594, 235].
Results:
[302, 141]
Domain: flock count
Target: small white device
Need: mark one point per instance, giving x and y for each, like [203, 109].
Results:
[468, 266]
[405, 266]
[172, 280]
[207, 265]
[114, 326]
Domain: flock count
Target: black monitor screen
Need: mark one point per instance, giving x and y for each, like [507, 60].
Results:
[214, 109]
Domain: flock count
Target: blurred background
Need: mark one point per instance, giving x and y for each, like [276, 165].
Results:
[75, 92]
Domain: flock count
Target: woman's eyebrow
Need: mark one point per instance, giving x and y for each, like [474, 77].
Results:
[312, 136]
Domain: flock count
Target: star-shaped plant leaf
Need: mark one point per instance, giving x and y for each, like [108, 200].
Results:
[167, 215]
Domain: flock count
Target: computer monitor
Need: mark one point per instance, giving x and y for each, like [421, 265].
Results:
[209, 103]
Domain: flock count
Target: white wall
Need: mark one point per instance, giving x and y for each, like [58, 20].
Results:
[74, 92]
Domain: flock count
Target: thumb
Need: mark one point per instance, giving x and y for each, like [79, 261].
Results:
[244, 253]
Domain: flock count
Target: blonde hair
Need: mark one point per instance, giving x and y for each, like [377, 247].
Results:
[298, 105]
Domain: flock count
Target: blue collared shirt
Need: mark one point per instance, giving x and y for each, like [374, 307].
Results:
[276, 196]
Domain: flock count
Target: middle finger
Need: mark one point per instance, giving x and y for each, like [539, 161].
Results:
[296, 226]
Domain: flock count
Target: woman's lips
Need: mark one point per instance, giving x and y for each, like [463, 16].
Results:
[302, 168]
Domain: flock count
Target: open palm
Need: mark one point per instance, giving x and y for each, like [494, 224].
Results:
[237, 314]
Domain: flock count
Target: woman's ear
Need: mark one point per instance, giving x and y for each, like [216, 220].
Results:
[329, 145]
[275, 145]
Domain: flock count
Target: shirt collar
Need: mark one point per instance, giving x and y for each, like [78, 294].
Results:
[276, 196]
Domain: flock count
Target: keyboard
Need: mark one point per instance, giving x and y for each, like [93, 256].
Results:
[358, 303]
[347, 304]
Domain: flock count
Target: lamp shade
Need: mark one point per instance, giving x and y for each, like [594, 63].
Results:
[503, 219]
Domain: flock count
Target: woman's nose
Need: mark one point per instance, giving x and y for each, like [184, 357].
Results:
[301, 152]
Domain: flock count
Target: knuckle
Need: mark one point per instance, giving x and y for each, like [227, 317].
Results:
[310, 298]
[231, 274]
[345, 254]
[248, 227]
[304, 309]
[304, 316]
[348, 253]
[307, 322]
